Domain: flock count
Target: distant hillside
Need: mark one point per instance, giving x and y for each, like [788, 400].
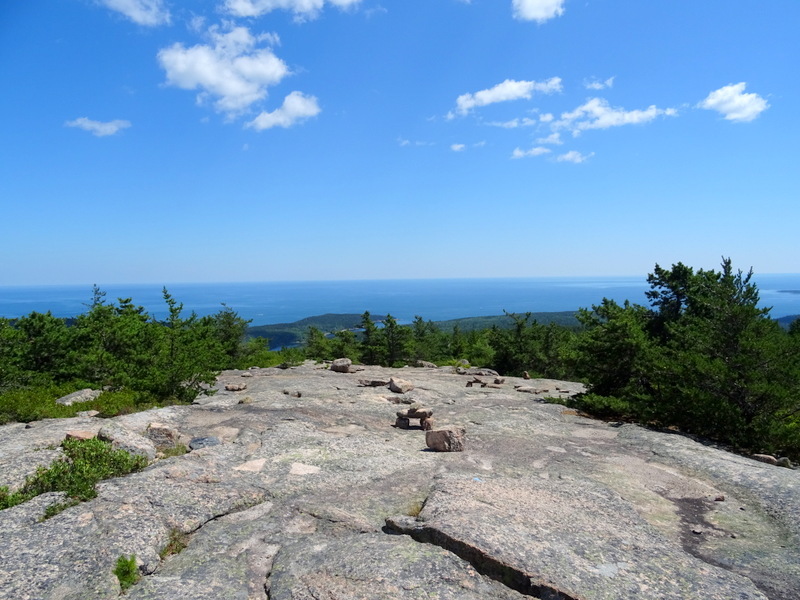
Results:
[787, 320]
[565, 318]
[293, 334]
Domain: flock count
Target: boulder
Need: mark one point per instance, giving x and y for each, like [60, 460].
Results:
[766, 458]
[446, 439]
[400, 386]
[341, 365]
[162, 435]
[85, 395]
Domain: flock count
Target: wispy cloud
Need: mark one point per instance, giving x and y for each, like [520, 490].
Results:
[596, 113]
[731, 102]
[537, 151]
[514, 123]
[574, 156]
[144, 12]
[596, 84]
[506, 91]
[537, 10]
[463, 147]
[99, 128]
[232, 69]
[303, 9]
[296, 108]
[418, 143]
[553, 138]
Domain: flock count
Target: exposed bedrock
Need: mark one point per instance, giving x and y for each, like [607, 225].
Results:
[316, 494]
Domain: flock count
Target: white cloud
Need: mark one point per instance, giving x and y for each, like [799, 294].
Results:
[505, 91]
[197, 23]
[537, 10]
[537, 151]
[302, 9]
[553, 138]
[143, 12]
[546, 117]
[513, 123]
[99, 128]
[595, 84]
[574, 156]
[296, 108]
[457, 147]
[232, 69]
[734, 104]
[597, 114]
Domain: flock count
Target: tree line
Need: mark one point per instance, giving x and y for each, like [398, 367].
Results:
[703, 357]
[139, 360]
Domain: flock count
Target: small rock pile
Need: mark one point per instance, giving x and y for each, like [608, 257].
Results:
[425, 416]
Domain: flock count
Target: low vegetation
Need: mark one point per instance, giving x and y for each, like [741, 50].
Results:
[176, 543]
[84, 464]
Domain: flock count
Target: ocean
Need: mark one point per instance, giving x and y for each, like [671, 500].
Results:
[433, 299]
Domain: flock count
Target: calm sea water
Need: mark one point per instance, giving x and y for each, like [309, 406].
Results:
[283, 302]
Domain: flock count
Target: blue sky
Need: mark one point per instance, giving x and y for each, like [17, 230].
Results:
[159, 141]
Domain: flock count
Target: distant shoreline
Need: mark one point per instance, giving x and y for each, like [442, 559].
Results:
[435, 300]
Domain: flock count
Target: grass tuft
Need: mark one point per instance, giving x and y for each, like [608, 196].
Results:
[176, 542]
[127, 572]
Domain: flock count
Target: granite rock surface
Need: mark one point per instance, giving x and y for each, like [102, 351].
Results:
[317, 495]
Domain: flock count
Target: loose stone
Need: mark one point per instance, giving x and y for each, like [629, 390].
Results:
[204, 442]
[446, 439]
[400, 386]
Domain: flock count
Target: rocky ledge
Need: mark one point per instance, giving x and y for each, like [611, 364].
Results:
[301, 486]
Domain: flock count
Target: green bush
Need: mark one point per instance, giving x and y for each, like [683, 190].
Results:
[603, 407]
[38, 402]
[85, 462]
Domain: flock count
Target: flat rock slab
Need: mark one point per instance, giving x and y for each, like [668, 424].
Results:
[292, 500]
[378, 567]
[564, 538]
